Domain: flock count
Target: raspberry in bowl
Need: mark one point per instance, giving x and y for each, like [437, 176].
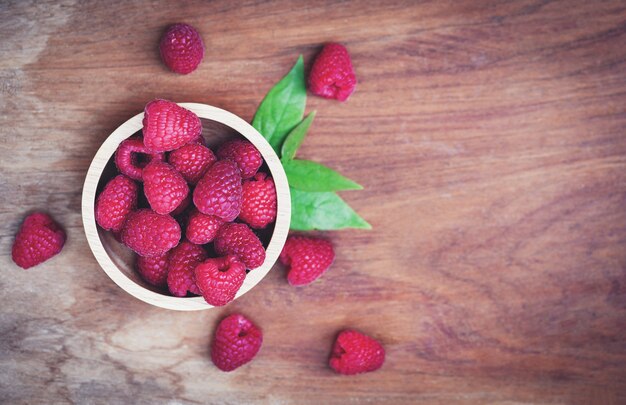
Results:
[186, 206]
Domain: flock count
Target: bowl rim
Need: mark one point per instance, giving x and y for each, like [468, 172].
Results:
[104, 154]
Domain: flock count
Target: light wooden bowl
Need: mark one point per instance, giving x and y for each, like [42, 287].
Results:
[118, 261]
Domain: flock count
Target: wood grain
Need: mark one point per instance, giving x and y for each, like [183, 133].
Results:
[489, 137]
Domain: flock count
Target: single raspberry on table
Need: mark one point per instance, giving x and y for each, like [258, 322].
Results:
[258, 206]
[354, 353]
[219, 191]
[202, 228]
[167, 126]
[132, 156]
[164, 187]
[115, 202]
[308, 258]
[38, 239]
[244, 153]
[332, 75]
[183, 260]
[192, 161]
[219, 279]
[150, 234]
[181, 48]
[239, 240]
[237, 340]
[154, 269]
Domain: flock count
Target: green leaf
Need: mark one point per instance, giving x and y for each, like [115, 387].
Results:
[295, 138]
[283, 107]
[323, 211]
[310, 176]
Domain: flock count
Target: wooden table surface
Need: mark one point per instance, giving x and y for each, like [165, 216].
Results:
[490, 137]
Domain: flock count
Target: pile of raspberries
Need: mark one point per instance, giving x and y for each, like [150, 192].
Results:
[174, 196]
[193, 197]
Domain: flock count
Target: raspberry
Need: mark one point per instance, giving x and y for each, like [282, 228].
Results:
[181, 48]
[150, 234]
[354, 353]
[237, 341]
[132, 156]
[219, 191]
[167, 126]
[202, 228]
[219, 279]
[115, 202]
[332, 75]
[199, 141]
[258, 206]
[309, 258]
[37, 219]
[183, 260]
[164, 187]
[38, 239]
[239, 240]
[192, 161]
[154, 269]
[182, 207]
[245, 154]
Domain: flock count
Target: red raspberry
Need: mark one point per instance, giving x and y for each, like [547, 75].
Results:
[354, 353]
[219, 279]
[309, 258]
[239, 240]
[182, 207]
[164, 187]
[132, 156]
[219, 191]
[154, 269]
[150, 234]
[237, 341]
[182, 216]
[115, 202]
[167, 126]
[258, 206]
[181, 48]
[183, 260]
[332, 75]
[199, 141]
[38, 239]
[202, 228]
[245, 154]
[192, 161]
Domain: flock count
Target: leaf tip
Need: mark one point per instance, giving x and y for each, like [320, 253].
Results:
[365, 225]
[352, 185]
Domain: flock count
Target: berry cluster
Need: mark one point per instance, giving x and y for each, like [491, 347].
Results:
[193, 198]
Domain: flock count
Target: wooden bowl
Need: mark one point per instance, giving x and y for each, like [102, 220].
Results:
[118, 261]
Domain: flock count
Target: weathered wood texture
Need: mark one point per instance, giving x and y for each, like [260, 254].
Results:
[490, 137]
